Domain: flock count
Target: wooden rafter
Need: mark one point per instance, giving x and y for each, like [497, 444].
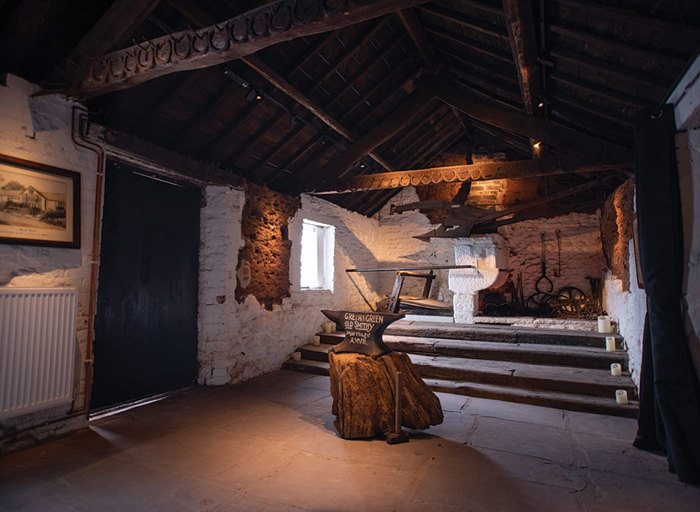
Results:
[657, 86]
[272, 153]
[197, 16]
[214, 104]
[473, 172]
[598, 90]
[349, 52]
[228, 129]
[314, 51]
[472, 45]
[465, 21]
[628, 15]
[411, 75]
[385, 130]
[253, 138]
[523, 45]
[120, 20]
[619, 46]
[243, 35]
[361, 72]
[415, 29]
[562, 138]
[297, 155]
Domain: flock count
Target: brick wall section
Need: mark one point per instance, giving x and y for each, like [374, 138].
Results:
[266, 246]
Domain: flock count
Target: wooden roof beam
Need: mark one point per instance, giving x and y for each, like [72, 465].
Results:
[415, 29]
[657, 87]
[618, 46]
[349, 52]
[221, 42]
[472, 45]
[523, 45]
[465, 21]
[483, 171]
[562, 138]
[628, 15]
[311, 53]
[114, 27]
[196, 15]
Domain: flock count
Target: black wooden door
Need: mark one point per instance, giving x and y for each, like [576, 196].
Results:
[146, 322]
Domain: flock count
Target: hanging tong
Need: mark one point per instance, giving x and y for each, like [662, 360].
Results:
[557, 273]
[544, 284]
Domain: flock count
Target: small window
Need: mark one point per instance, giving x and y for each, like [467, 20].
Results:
[317, 242]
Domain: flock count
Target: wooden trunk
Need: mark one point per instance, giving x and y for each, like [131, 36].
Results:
[364, 388]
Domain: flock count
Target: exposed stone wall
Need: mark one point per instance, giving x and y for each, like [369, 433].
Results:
[616, 231]
[48, 142]
[266, 248]
[581, 253]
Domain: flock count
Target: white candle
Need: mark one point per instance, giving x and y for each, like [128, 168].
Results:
[297, 356]
[317, 340]
[332, 326]
[616, 369]
[604, 324]
[621, 396]
[610, 343]
[327, 327]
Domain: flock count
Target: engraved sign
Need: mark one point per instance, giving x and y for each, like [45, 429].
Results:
[363, 330]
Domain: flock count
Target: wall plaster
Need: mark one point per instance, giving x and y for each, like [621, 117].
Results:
[40, 131]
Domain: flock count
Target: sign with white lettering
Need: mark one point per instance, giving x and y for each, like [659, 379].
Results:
[363, 331]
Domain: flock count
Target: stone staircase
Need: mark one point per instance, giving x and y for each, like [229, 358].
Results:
[553, 368]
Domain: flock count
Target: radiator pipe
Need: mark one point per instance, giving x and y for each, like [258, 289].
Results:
[79, 129]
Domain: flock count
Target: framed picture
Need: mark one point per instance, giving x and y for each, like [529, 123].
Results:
[39, 204]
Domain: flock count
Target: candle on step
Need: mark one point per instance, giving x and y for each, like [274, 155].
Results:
[621, 396]
[333, 326]
[616, 369]
[610, 343]
[604, 324]
[317, 340]
[297, 356]
[327, 327]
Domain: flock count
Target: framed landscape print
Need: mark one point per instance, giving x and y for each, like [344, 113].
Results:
[39, 204]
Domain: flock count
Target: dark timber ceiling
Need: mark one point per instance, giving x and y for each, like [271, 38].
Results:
[593, 65]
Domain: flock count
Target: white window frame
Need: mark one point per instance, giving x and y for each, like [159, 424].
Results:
[325, 247]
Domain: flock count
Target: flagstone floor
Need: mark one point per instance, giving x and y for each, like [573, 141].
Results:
[270, 445]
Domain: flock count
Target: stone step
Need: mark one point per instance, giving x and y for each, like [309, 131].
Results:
[567, 401]
[502, 333]
[585, 381]
[562, 355]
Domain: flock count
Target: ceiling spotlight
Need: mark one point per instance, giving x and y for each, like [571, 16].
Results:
[541, 104]
[252, 95]
[537, 145]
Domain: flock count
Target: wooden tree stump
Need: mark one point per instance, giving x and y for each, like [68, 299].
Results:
[364, 388]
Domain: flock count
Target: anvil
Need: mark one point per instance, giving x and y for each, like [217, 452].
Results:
[363, 330]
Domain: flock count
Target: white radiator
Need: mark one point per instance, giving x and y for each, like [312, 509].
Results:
[37, 348]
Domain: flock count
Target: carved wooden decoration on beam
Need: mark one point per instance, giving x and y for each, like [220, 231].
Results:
[231, 39]
[474, 172]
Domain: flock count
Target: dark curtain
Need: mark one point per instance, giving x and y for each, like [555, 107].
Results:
[669, 409]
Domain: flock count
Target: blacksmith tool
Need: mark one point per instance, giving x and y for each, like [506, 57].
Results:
[544, 284]
[398, 435]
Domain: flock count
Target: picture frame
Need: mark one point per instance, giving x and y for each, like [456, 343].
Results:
[39, 204]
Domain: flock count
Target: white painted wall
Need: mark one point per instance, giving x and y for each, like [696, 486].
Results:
[28, 266]
[686, 98]
[627, 309]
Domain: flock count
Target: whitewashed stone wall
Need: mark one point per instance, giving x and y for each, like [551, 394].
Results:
[398, 248]
[27, 266]
[239, 341]
[627, 310]
[581, 250]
